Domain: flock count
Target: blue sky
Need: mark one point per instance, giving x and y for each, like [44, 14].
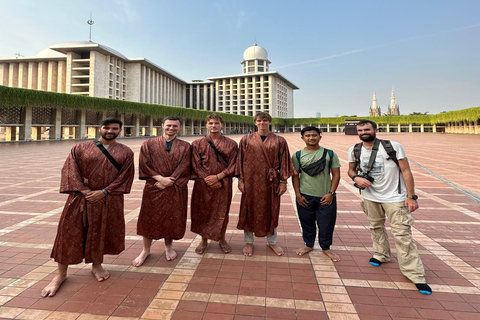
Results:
[337, 52]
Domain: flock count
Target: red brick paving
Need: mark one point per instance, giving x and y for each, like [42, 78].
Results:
[448, 222]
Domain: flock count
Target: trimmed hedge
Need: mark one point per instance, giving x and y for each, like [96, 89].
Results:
[470, 114]
[17, 97]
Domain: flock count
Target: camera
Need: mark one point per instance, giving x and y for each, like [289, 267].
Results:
[364, 175]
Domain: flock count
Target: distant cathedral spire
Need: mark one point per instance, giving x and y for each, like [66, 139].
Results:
[393, 108]
[375, 110]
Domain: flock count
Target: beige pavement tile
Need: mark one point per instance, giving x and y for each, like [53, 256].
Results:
[163, 304]
[34, 276]
[161, 270]
[45, 269]
[309, 305]
[118, 318]
[183, 272]
[10, 313]
[332, 289]
[196, 296]
[6, 281]
[181, 279]
[256, 258]
[157, 314]
[5, 299]
[465, 290]
[175, 286]
[322, 268]
[251, 300]
[214, 256]
[223, 298]
[280, 303]
[342, 316]
[169, 294]
[340, 307]
[334, 297]
[327, 274]
[330, 281]
[21, 283]
[11, 291]
[33, 314]
[441, 288]
[405, 286]
[382, 284]
[60, 315]
[234, 257]
[298, 260]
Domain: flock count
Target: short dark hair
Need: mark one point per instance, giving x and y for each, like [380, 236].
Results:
[213, 116]
[111, 120]
[365, 122]
[310, 128]
[262, 115]
[172, 118]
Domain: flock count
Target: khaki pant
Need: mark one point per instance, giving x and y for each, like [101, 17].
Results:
[401, 222]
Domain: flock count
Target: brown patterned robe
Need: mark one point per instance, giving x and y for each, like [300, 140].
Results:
[90, 230]
[163, 213]
[260, 205]
[210, 207]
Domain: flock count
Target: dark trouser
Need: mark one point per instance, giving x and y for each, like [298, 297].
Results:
[325, 215]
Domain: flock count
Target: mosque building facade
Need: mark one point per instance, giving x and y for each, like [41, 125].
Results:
[91, 69]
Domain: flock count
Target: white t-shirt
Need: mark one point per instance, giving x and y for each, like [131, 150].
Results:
[385, 172]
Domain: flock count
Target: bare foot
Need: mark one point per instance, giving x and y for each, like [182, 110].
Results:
[202, 247]
[331, 255]
[138, 261]
[276, 248]
[303, 250]
[225, 246]
[248, 250]
[51, 289]
[100, 273]
[170, 254]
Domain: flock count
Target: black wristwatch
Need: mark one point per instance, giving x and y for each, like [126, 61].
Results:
[413, 196]
[333, 193]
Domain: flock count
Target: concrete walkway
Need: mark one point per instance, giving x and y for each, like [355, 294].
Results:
[218, 286]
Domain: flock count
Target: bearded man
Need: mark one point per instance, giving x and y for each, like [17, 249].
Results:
[381, 171]
[96, 175]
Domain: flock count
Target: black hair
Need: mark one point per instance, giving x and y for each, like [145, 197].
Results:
[172, 118]
[364, 122]
[310, 128]
[111, 120]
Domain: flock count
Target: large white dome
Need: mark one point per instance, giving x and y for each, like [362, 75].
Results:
[255, 52]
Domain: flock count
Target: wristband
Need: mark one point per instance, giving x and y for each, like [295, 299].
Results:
[284, 182]
[105, 192]
[353, 178]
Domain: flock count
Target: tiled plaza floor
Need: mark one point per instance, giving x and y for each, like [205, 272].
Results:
[218, 286]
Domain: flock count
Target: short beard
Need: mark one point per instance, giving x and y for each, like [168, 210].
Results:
[104, 137]
[369, 138]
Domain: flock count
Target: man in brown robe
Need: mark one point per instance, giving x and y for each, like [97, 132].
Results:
[213, 165]
[92, 223]
[263, 167]
[165, 165]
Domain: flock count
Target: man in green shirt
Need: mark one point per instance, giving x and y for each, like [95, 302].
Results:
[315, 191]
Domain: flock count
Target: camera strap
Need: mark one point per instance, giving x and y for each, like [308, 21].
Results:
[373, 155]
